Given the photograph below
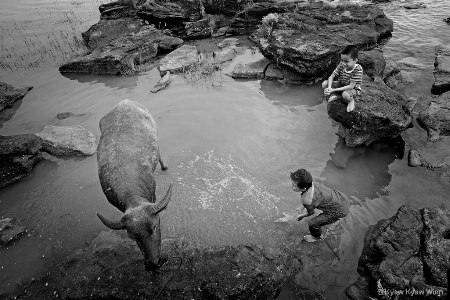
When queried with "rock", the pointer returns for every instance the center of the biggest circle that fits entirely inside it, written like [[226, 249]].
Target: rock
[[18, 155], [107, 30], [373, 63], [118, 9], [110, 268], [228, 42], [180, 59], [392, 258], [414, 6], [251, 70], [441, 70], [122, 55], [403, 72], [64, 115], [273, 72], [309, 41], [9, 231], [414, 158], [172, 14], [221, 31], [447, 20], [247, 19], [226, 7], [226, 54], [10, 94], [431, 155], [200, 29], [436, 118], [436, 243], [445, 177], [379, 113], [67, 140], [162, 83]]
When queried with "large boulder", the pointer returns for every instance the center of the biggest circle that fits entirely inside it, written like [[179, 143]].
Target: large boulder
[[200, 29], [406, 253], [67, 140], [119, 9], [122, 55], [436, 117], [10, 94], [18, 155], [441, 70], [10, 231], [309, 40], [380, 113], [111, 268]]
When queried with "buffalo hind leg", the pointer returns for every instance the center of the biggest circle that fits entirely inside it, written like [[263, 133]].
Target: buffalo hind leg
[[163, 166]]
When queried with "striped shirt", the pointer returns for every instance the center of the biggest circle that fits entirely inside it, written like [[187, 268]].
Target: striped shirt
[[344, 77]]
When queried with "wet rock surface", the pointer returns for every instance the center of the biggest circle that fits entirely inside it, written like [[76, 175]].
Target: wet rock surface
[[441, 70], [18, 155], [135, 46], [10, 231], [67, 140], [111, 267], [409, 251], [162, 83], [10, 94], [179, 60], [379, 113], [309, 41], [436, 117], [253, 70]]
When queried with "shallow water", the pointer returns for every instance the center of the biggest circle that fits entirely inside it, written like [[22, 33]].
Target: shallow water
[[229, 149]]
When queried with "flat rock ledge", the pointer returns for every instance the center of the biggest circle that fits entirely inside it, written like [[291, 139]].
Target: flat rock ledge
[[120, 48], [67, 140], [10, 231], [407, 254], [309, 40], [10, 94], [18, 155], [111, 267], [380, 113], [441, 70], [436, 117], [179, 60]]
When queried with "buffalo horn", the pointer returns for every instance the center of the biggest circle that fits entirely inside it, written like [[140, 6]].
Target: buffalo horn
[[156, 208], [111, 224]]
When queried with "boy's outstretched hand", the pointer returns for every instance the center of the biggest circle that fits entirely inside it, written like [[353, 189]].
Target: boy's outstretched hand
[[327, 91]]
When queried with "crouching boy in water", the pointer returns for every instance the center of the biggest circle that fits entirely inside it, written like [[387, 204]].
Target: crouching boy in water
[[346, 79], [333, 204]]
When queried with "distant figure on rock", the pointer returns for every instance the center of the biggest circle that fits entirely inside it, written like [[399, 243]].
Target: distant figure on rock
[[333, 204], [346, 79]]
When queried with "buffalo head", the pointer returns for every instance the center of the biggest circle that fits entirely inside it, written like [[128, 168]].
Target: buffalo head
[[143, 225]]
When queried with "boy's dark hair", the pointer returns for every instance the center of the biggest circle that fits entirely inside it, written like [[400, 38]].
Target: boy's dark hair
[[351, 51], [303, 178]]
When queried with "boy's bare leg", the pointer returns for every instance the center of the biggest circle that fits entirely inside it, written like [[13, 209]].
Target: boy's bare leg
[[351, 105]]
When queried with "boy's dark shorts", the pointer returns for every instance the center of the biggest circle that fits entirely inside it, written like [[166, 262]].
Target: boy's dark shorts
[[336, 85]]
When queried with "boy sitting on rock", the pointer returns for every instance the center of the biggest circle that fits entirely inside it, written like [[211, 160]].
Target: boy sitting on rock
[[333, 204], [346, 79]]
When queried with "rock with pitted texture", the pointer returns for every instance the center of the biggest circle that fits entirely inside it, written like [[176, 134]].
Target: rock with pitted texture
[[409, 251], [10, 231], [18, 155], [10, 94], [309, 40], [67, 140], [436, 117], [441, 70], [380, 113], [179, 60]]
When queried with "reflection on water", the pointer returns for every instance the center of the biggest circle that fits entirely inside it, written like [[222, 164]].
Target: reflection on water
[[8, 113], [121, 82], [288, 95], [362, 172]]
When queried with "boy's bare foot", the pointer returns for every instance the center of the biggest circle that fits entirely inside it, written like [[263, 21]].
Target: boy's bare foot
[[351, 106], [332, 98]]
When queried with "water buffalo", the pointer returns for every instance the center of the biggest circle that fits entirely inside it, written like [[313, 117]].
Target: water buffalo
[[128, 154]]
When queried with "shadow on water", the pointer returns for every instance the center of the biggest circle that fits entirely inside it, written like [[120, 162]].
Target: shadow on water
[[8, 113], [120, 82], [289, 95], [362, 171]]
